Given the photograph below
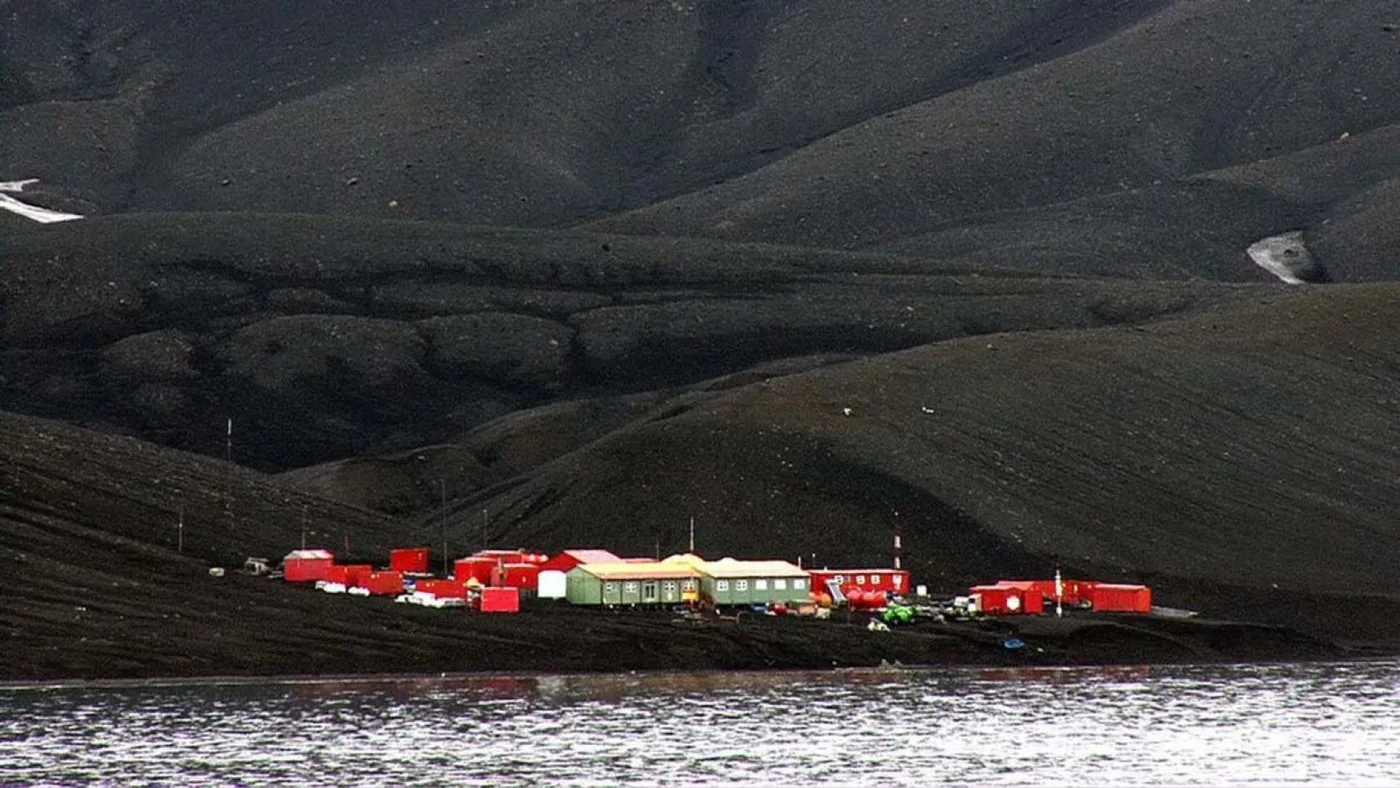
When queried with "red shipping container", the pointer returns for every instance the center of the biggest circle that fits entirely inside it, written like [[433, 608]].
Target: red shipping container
[[383, 583], [1120, 598], [476, 567], [500, 600], [1000, 600], [1072, 592], [525, 576], [306, 566], [354, 573], [443, 589], [413, 560]]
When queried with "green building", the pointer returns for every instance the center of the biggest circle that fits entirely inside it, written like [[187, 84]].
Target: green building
[[640, 583], [731, 582]]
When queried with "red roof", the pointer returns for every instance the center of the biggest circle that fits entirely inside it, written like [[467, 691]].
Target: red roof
[[565, 560]]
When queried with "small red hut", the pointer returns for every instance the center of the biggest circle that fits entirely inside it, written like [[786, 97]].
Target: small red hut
[[410, 560], [306, 566]]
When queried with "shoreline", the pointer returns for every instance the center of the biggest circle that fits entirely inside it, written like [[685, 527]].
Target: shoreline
[[487, 676], [383, 642]]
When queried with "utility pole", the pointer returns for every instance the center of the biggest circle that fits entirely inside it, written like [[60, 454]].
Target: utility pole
[[180, 531], [303, 526], [692, 536], [228, 471], [442, 520]]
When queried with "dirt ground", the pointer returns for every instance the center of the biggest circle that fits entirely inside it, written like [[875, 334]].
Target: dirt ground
[[244, 626]]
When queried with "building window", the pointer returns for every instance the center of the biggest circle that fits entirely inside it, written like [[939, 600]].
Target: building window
[[760, 585], [689, 585], [779, 584], [798, 584], [629, 588], [741, 585], [669, 587], [874, 580], [860, 580], [721, 585], [609, 588]]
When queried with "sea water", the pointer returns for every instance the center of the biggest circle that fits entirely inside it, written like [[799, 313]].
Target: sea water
[[1319, 724]]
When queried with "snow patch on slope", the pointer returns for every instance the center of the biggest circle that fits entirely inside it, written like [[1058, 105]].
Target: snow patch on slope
[[1286, 257], [26, 210]]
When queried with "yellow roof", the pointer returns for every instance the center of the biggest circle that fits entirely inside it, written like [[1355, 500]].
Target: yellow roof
[[638, 571], [728, 567]]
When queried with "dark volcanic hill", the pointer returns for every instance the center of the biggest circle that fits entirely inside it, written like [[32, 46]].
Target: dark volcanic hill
[[593, 268]]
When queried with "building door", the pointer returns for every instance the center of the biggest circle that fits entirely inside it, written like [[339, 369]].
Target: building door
[[649, 592]]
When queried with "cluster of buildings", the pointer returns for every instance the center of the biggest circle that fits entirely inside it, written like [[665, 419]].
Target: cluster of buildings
[[599, 578], [496, 580]]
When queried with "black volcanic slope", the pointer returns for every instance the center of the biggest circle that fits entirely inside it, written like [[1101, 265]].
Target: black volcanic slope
[[323, 337], [1246, 447], [806, 271], [822, 123]]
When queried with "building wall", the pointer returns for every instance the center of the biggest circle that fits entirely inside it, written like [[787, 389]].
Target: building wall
[[755, 590], [582, 588]]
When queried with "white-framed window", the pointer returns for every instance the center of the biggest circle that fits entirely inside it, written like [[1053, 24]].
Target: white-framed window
[[779, 584], [839, 579], [721, 585], [798, 583], [874, 580], [689, 584], [860, 580], [760, 585], [741, 585], [609, 588], [669, 587], [896, 581], [630, 587]]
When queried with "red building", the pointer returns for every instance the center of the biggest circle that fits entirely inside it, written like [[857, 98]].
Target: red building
[[306, 566], [523, 576], [1120, 598], [412, 560], [890, 581], [479, 568], [1008, 600]]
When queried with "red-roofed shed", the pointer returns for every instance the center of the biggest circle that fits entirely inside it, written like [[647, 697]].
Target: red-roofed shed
[[569, 559]]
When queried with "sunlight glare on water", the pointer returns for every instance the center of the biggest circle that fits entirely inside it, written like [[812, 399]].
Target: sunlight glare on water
[[1322, 724]]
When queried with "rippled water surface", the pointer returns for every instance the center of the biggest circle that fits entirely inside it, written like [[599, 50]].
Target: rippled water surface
[[1325, 724]]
